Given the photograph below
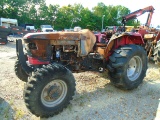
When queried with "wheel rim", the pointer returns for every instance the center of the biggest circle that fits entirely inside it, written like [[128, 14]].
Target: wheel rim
[[134, 68], [54, 93]]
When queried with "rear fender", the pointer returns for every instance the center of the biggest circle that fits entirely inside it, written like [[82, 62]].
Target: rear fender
[[122, 39]]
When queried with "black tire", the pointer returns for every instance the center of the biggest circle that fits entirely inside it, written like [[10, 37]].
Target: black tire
[[129, 65], [37, 98], [157, 53], [6, 41], [3, 41], [20, 73]]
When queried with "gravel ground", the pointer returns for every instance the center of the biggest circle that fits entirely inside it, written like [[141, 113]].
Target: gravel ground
[[95, 98]]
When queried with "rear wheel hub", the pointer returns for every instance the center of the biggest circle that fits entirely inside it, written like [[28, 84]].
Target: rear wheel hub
[[134, 68]]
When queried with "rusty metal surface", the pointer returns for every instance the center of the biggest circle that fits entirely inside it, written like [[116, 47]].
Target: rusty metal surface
[[88, 40], [157, 36], [54, 35], [61, 36], [101, 51], [122, 39], [149, 36], [41, 51], [151, 42], [111, 43], [84, 40]]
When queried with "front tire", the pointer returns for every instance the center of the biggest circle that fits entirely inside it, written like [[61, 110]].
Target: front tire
[[20, 73], [130, 65], [49, 90]]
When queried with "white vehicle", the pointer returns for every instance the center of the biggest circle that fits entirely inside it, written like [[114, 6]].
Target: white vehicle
[[28, 27], [47, 28], [76, 29], [5, 28], [6, 22], [158, 27]]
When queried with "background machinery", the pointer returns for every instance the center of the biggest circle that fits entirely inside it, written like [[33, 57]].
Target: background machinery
[[150, 35]]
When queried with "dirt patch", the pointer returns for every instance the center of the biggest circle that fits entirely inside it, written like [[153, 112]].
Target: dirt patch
[[95, 97]]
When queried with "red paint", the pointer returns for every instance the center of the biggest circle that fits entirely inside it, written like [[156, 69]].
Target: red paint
[[35, 61], [98, 37], [133, 38], [3, 43]]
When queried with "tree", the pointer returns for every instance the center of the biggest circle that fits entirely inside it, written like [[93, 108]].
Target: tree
[[113, 14], [87, 19], [2, 8], [69, 16]]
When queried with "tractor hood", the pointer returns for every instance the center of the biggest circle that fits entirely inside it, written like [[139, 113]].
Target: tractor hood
[[84, 39], [83, 34]]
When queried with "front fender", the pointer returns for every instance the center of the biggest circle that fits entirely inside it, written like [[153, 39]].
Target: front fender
[[21, 57]]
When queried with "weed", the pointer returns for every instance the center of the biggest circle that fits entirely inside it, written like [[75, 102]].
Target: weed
[[19, 114], [11, 101], [6, 112], [70, 107]]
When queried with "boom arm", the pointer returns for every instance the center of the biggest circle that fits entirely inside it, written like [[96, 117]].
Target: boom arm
[[139, 12]]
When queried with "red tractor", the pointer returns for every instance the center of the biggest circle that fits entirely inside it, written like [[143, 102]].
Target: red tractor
[[50, 59], [151, 36]]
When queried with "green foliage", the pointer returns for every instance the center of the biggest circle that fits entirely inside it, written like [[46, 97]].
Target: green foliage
[[69, 16]]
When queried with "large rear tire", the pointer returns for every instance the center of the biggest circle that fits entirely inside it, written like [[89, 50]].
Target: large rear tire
[[49, 90], [157, 53], [129, 65], [20, 73]]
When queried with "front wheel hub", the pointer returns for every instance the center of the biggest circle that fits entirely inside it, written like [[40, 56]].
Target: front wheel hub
[[54, 93]]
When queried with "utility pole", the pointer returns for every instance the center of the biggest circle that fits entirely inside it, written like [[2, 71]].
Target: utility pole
[[102, 21]]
